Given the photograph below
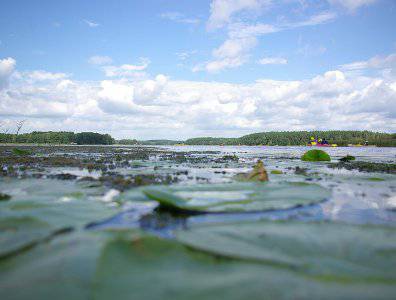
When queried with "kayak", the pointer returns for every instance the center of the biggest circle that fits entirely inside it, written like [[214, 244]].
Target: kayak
[[322, 145]]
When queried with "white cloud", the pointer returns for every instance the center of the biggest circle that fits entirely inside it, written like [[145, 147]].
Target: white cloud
[[185, 54], [317, 19], [232, 53], [127, 69], [272, 61], [91, 23], [179, 18], [163, 108], [100, 60], [376, 62], [7, 66], [222, 11], [351, 5], [243, 37]]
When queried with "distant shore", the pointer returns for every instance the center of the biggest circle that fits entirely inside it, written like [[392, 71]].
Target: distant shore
[[340, 138]]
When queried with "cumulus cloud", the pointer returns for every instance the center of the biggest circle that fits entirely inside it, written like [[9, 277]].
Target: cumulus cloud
[[273, 61], [161, 107], [232, 53], [100, 60], [7, 66]]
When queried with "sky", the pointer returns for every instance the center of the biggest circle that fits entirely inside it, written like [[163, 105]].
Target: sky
[[185, 68]]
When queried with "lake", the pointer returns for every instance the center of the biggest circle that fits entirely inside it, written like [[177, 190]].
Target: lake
[[177, 221]]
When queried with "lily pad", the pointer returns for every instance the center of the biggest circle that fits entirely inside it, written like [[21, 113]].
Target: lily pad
[[130, 265], [41, 208], [315, 155], [19, 233], [329, 251], [237, 197], [276, 172]]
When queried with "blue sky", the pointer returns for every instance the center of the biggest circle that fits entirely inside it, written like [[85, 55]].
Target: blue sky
[[151, 48]]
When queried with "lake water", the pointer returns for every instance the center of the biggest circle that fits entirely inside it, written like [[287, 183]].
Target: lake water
[[85, 221], [356, 197]]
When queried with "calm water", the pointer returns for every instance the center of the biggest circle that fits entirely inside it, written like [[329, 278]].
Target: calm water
[[355, 196]]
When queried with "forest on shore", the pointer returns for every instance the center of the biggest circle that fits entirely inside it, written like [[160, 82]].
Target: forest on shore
[[58, 137], [296, 138], [272, 138]]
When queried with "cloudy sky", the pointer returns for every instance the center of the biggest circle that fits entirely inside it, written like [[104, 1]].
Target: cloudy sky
[[178, 69]]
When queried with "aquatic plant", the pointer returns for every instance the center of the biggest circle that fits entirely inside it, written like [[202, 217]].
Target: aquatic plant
[[315, 155], [347, 158]]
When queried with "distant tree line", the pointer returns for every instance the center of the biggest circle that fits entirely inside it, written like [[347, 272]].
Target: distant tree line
[[294, 138], [60, 137], [159, 142], [127, 142], [280, 138]]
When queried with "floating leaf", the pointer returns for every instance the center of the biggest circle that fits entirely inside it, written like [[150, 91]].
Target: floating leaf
[[18, 233], [41, 208], [130, 265], [276, 172], [237, 197], [329, 251], [315, 155]]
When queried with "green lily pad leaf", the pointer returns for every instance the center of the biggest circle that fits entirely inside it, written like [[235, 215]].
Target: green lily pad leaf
[[329, 251], [376, 179], [40, 208], [237, 197], [19, 233], [315, 155], [97, 265], [276, 172]]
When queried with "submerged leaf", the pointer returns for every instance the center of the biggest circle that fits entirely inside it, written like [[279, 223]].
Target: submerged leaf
[[236, 197]]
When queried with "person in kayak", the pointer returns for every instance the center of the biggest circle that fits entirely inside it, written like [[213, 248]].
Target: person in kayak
[[313, 141]]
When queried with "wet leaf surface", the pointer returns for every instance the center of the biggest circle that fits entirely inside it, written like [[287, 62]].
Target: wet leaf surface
[[330, 251], [237, 197]]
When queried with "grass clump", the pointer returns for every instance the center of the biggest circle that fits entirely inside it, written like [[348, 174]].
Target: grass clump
[[315, 155]]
